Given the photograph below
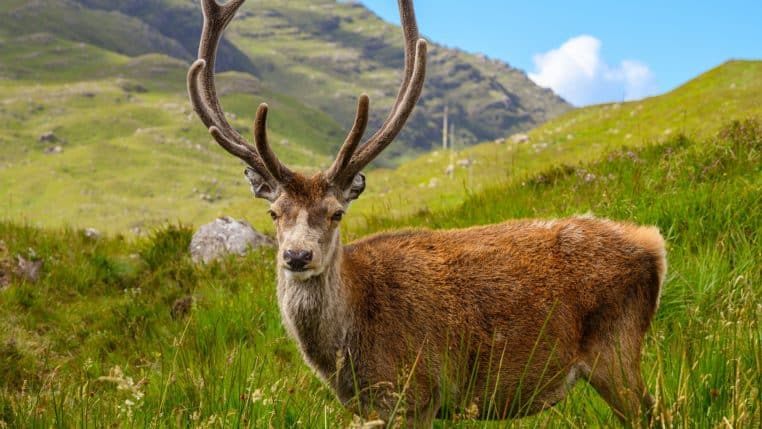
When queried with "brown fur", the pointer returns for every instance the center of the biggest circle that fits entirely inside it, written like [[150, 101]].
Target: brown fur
[[579, 292], [501, 317]]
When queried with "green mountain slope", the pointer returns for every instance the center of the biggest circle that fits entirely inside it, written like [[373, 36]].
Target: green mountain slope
[[68, 19], [327, 53], [323, 53], [124, 149], [85, 188], [83, 80]]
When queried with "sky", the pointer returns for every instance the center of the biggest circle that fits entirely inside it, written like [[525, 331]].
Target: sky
[[595, 51]]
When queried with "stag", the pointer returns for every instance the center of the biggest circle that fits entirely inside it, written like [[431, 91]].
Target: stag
[[500, 320]]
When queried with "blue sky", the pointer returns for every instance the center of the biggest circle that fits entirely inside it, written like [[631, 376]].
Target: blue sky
[[595, 51]]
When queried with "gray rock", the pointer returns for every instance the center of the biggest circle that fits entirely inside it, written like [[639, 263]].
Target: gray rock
[[225, 236], [48, 137], [519, 138], [54, 150], [28, 269], [92, 233]]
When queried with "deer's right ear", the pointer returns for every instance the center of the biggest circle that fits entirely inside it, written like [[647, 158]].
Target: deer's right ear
[[356, 188], [260, 186]]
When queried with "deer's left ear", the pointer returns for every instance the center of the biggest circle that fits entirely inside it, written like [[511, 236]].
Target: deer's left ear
[[356, 188], [260, 186]]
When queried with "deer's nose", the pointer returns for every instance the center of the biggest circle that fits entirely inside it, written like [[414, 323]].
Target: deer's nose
[[297, 259]]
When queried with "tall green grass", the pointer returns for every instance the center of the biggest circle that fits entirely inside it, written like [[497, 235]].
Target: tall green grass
[[128, 332]]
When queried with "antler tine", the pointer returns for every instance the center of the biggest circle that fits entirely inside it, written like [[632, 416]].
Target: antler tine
[[381, 139], [407, 97], [202, 110], [276, 169], [352, 141], [410, 30], [203, 93]]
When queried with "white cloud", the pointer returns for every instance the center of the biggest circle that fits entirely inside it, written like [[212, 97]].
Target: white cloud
[[577, 72]]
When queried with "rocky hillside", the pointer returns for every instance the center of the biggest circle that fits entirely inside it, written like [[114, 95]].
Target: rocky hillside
[[322, 53]]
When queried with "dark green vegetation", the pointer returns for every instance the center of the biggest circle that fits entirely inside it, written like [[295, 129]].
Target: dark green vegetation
[[103, 338]]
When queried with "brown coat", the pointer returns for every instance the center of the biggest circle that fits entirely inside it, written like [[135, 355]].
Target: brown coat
[[502, 317]]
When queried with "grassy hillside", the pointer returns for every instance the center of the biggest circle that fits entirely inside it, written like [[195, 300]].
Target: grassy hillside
[[697, 109], [128, 332], [86, 186], [123, 126], [114, 31], [102, 83]]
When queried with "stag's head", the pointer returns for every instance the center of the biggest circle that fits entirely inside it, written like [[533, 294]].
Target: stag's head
[[306, 210]]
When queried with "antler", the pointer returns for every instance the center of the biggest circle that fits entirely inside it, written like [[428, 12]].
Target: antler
[[203, 95], [407, 97], [260, 157]]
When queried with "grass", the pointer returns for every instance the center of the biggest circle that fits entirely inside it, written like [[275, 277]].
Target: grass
[[104, 339]]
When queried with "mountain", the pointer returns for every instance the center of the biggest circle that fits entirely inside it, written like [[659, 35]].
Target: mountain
[[322, 53]]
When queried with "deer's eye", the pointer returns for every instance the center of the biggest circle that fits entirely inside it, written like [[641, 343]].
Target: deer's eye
[[273, 214], [337, 216]]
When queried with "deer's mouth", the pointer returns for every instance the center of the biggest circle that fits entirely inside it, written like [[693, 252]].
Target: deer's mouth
[[301, 274]]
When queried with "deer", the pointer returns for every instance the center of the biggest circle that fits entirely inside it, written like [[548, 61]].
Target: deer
[[499, 321]]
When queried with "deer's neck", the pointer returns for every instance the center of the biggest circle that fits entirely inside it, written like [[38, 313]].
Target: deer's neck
[[316, 313]]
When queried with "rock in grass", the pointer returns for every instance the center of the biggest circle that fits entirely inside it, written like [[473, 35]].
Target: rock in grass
[[92, 233], [28, 269], [225, 236], [181, 307], [48, 137], [519, 138], [54, 150]]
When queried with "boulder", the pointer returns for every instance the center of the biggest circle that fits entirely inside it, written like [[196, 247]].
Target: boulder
[[225, 236], [92, 233], [48, 137], [28, 269], [519, 138], [54, 150]]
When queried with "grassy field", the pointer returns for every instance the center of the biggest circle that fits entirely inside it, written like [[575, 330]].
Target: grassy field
[[126, 332]]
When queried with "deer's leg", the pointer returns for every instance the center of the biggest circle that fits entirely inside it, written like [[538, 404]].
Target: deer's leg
[[423, 417], [614, 371]]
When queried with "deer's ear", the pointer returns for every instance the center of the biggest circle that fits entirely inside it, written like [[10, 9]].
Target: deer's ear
[[260, 186], [356, 188]]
